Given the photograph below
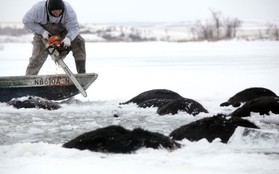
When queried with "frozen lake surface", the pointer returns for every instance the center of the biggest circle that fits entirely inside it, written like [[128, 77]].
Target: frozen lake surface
[[208, 72]]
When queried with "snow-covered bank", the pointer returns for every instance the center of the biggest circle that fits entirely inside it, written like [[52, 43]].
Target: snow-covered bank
[[184, 31], [210, 73]]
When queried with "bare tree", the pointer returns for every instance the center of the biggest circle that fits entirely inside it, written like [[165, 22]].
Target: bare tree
[[216, 16], [272, 31], [205, 31], [236, 23], [230, 26], [217, 28]]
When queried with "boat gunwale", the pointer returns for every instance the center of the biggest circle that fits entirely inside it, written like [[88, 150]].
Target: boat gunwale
[[85, 79]]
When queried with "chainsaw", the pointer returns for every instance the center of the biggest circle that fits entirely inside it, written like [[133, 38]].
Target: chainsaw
[[58, 52], [55, 43]]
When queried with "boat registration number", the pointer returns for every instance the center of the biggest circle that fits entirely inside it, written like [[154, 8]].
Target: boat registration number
[[52, 81]]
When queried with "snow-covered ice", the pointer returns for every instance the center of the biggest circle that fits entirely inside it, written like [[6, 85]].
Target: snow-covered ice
[[208, 72]]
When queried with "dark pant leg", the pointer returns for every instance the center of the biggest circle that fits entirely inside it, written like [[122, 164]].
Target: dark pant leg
[[79, 53], [38, 58]]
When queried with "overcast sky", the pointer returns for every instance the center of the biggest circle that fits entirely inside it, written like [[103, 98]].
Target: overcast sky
[[105, 11]]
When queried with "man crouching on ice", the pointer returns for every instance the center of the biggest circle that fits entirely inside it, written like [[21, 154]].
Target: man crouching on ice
[[53, 17]]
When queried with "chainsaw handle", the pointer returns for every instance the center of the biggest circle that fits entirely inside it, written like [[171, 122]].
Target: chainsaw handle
[[68, 49], [52, 48]]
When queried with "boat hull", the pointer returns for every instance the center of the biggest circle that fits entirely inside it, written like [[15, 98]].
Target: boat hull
[[51, 87]]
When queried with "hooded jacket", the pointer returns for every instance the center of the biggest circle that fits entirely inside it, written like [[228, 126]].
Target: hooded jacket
[[37, 16]]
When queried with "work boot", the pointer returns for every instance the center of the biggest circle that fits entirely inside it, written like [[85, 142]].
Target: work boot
[[80, 65]]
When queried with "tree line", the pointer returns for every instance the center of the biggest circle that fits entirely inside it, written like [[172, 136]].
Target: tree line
[[217, 27]]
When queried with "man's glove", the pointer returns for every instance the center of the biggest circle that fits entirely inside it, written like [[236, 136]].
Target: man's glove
[[66, 42], [46, 35]]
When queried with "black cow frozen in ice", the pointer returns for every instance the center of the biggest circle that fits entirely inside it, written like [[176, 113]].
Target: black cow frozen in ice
[[181, 104], [261, 105], [154, 98], [210, 128], [33, 102], [116, 139], [167, 101], [154, 103], [247, 95]]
